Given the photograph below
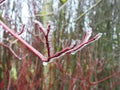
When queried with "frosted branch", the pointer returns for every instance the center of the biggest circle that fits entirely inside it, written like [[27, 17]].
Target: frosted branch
[[32, 49], [87, 35], [71, 49]]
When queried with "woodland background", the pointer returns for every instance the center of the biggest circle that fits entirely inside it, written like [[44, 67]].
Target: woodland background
[[68, 19]]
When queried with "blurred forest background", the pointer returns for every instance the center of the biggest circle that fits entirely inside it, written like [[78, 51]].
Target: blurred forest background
[[98, 62]]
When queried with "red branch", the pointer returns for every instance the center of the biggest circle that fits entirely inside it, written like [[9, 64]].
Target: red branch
[[49, 58], [43, 58], [79, 47], [47, 41], [1, 1]]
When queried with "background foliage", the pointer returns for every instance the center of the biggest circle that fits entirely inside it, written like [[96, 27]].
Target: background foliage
[[65, 18]]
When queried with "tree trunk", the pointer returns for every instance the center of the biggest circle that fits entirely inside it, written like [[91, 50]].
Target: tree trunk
[[48, 73]]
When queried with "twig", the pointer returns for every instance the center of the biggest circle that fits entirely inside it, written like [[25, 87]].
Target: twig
[[22, 29], [47, 41]]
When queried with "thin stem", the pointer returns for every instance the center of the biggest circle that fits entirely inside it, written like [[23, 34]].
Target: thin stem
[[47, 41], [62, 52], [22, 29], [79, 47]]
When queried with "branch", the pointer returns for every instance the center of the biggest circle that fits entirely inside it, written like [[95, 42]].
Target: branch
[[66, 50], [47, 41], [1, 1], [62, 52], [72, 49], [79, 47], [32, 49]]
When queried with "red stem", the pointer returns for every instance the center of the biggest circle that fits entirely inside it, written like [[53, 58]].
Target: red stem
[[47, 41], [64, 51], [21, 30]]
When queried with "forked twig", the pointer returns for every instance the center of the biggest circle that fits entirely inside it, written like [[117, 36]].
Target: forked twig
[[46, 33]]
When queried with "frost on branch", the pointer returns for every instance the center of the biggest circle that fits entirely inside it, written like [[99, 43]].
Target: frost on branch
[[48, 36], [87, 35]]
